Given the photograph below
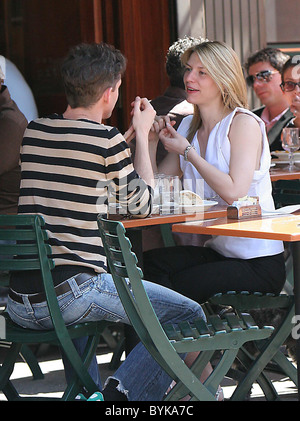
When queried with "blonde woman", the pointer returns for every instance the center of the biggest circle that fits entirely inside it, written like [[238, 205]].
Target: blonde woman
[[224, 145]]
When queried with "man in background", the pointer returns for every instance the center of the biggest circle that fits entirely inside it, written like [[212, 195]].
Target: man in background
[[264, 76]]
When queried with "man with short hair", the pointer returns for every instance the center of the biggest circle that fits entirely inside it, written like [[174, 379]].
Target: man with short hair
[[264, 76], [68, 162]]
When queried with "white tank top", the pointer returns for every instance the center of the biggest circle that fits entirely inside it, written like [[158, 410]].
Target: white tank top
[[218, 154]]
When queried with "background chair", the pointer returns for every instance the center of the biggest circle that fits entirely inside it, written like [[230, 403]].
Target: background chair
[[165, 343], [30, 251], [263, 355], [286, 192]]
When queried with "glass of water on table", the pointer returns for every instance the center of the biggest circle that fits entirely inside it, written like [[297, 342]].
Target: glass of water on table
[[290, 143], [166, 194]]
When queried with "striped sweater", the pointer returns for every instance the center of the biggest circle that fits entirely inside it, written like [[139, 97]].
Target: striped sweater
[[67, 166]]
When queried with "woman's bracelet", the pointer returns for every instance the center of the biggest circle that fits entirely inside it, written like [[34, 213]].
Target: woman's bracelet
[[185, 153]]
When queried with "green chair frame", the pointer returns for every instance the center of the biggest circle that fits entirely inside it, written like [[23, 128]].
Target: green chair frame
[[270, 355], [165, 343], [25, 353], [31, 252]]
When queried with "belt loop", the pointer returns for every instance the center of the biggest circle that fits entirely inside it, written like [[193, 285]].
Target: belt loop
[[27, 304], [74, 287]]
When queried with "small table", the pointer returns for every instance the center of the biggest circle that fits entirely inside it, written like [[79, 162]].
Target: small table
[[280, 227], [281, 173], [215, 211], [134, 227]]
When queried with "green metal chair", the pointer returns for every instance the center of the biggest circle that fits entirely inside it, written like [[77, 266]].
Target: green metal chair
[[25, 353], [165, 343], [268, 354], [31, 252]]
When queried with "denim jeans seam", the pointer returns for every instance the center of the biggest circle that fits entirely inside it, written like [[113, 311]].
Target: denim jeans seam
[[190, 312], [31, 319]]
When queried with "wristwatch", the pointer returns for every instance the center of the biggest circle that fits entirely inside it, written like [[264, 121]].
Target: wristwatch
[[185, 153]]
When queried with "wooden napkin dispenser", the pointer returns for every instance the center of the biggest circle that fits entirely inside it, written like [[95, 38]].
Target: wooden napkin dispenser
[[248, 207]]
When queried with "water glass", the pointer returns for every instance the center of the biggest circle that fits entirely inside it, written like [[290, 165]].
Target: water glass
[[290, 143]]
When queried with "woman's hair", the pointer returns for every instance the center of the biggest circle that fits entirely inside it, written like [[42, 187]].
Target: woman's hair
[[222, 64], [88, 70]]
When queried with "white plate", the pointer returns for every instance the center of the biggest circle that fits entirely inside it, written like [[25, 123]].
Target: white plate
[[284, 162], [284, 156], [207, 204]]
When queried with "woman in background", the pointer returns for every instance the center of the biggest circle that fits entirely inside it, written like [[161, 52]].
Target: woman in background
[[290, 85]]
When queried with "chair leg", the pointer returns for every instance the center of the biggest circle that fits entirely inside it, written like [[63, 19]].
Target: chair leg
[[264, 382], [267, 353], [213, 381], [10, 392], [6, 370], [117, 354], [29, 357], [77, 384], [287, 367]]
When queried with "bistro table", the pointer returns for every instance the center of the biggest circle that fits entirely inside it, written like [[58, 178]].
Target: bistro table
[[279, 227], [282, 173], [134, 227], [215, 211]]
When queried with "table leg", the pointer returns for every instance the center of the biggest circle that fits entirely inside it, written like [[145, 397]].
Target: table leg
[[296, 267], [136, 238]]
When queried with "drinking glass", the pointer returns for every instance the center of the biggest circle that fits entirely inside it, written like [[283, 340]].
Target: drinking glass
[[166, 193], [290, 143]]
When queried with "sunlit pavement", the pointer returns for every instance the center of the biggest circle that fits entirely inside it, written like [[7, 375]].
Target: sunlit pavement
[[54, 382]]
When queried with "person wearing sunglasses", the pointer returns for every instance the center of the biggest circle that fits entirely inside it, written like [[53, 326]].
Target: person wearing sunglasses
[[264, 76], [290, 86]]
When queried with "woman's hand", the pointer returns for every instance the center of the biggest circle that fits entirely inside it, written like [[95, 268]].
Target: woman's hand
[[172, 141], [158, 125]]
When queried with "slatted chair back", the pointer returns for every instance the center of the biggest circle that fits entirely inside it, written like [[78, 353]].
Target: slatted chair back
[[24, 247]]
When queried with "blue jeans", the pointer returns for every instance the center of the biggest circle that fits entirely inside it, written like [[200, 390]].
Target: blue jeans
[[139, 376]]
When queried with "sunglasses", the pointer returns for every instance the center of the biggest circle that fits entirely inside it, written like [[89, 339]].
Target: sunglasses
[[263, 76], [289, 86]]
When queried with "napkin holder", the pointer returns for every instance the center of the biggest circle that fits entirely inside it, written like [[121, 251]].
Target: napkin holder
[[243, 209]]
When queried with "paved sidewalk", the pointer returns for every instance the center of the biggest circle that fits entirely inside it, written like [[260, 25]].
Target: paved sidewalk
[[54, 382]]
